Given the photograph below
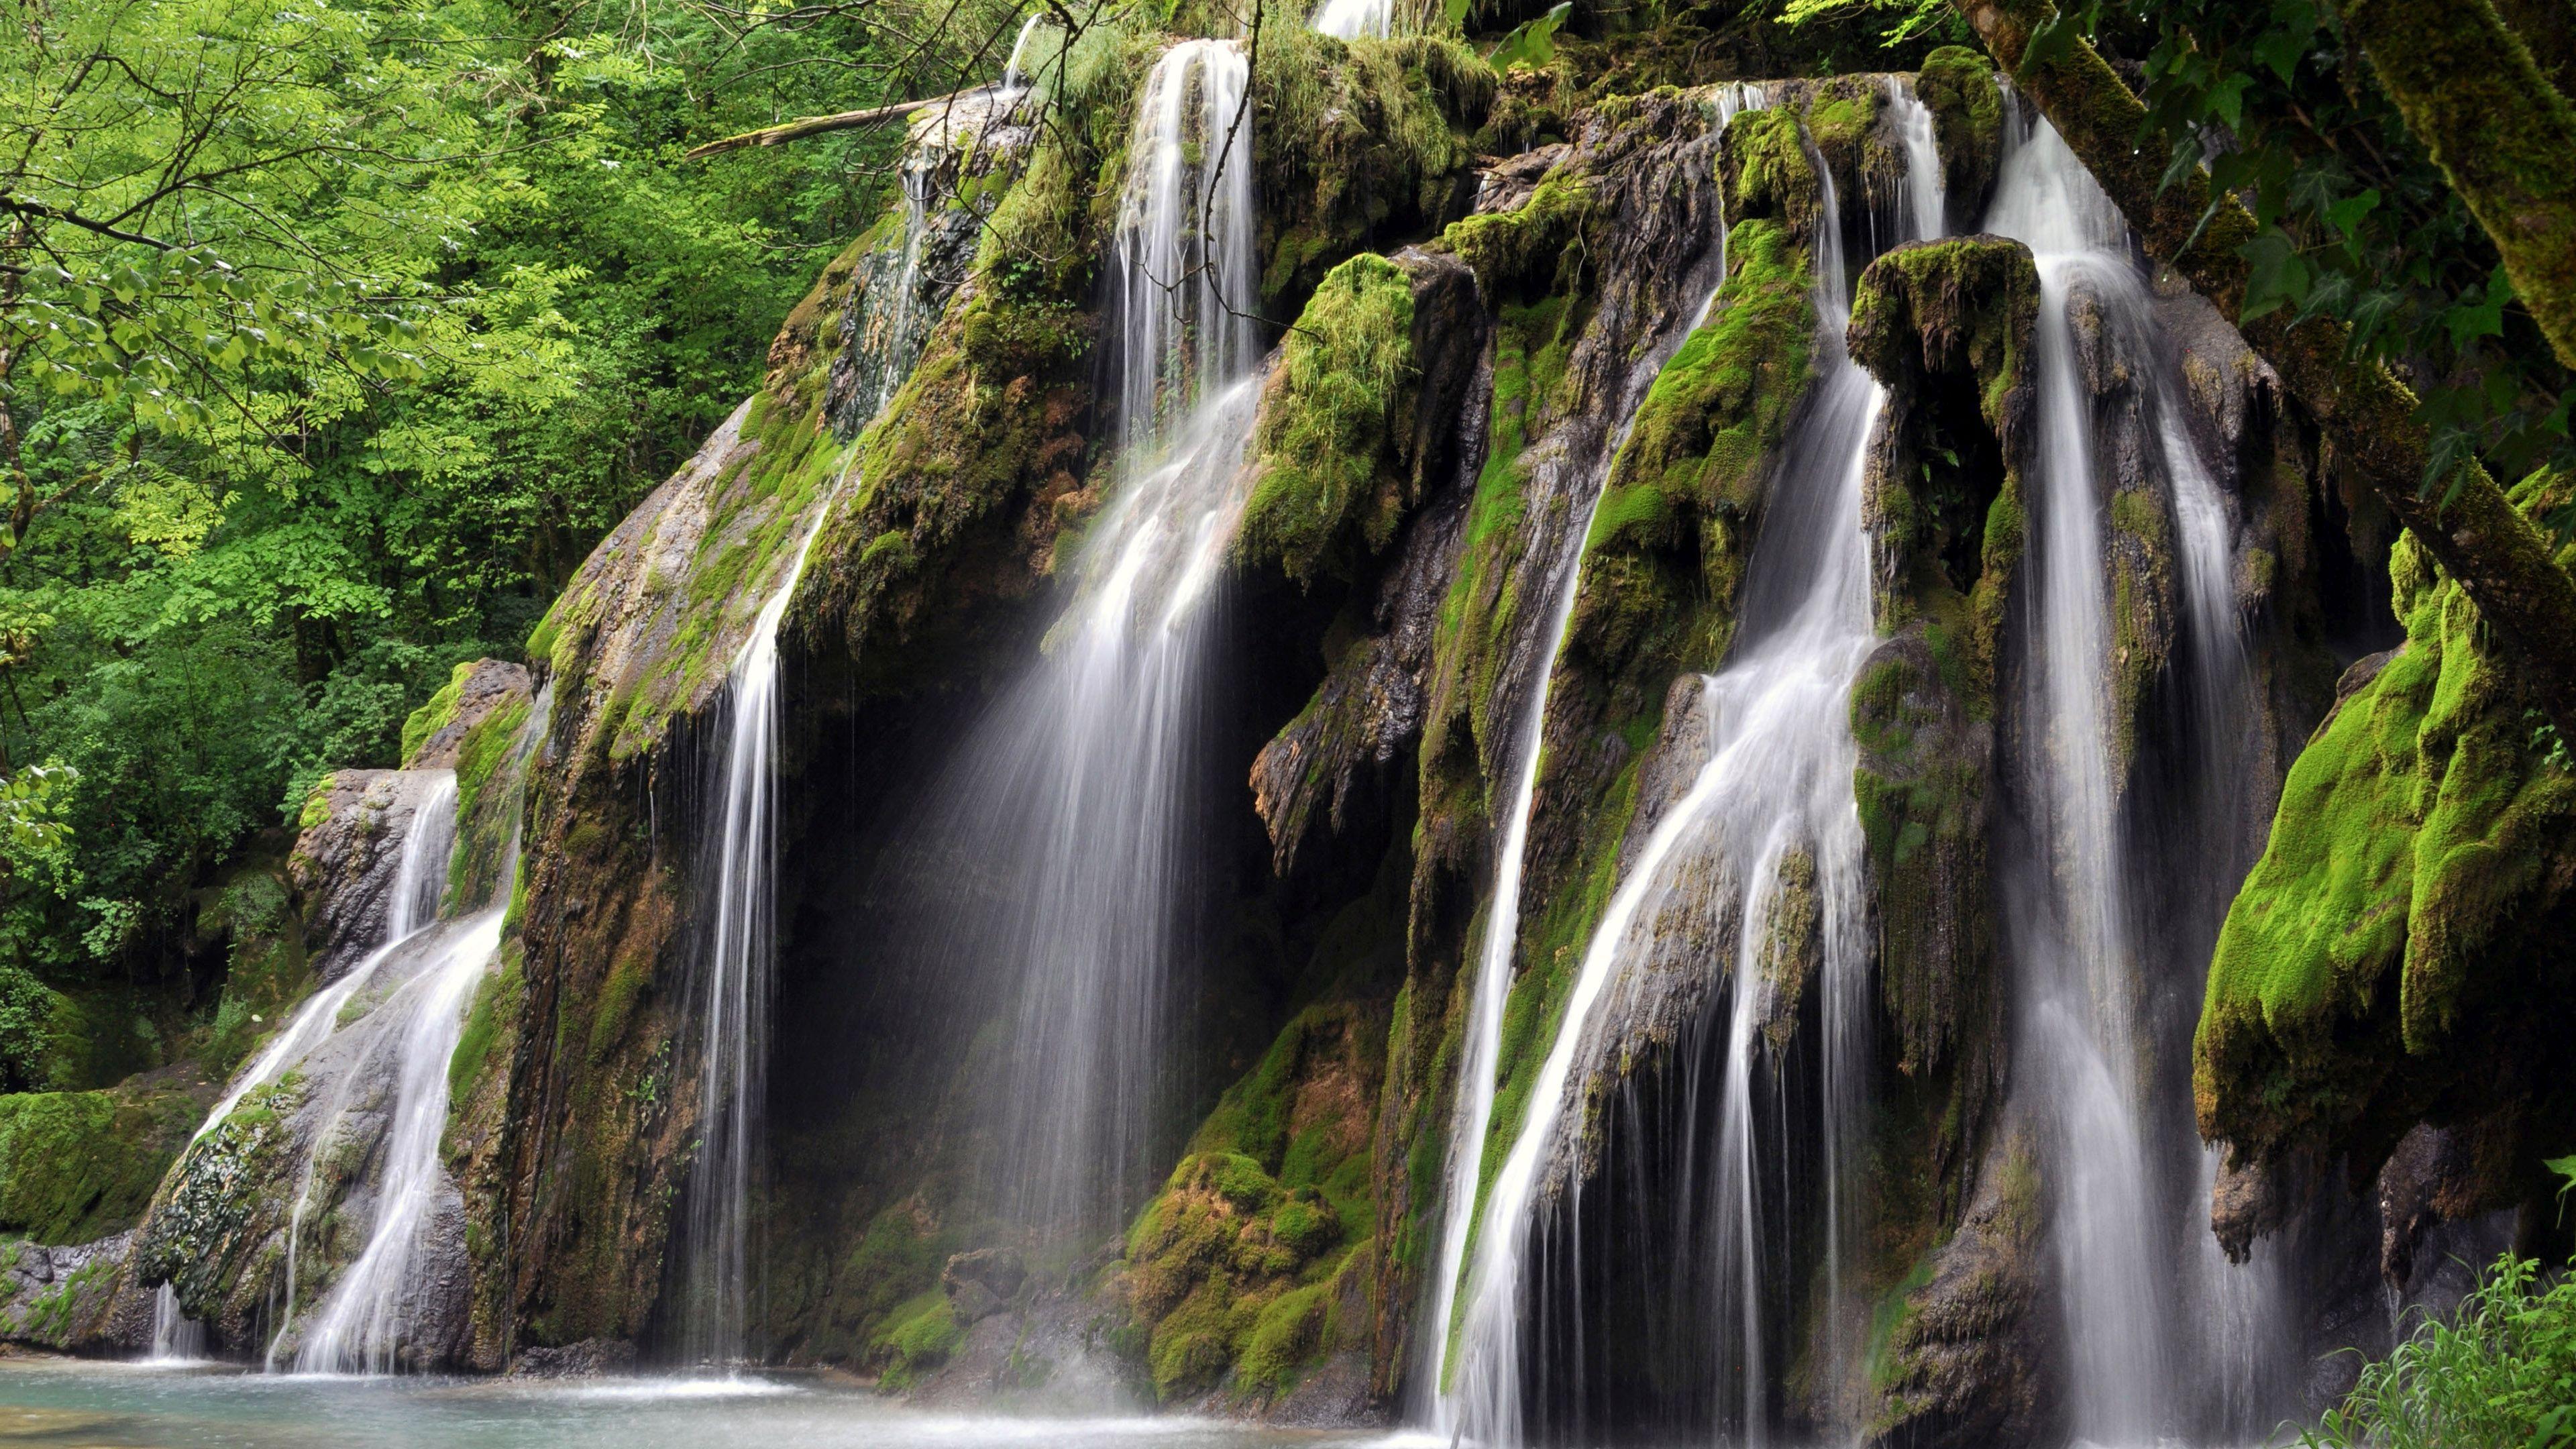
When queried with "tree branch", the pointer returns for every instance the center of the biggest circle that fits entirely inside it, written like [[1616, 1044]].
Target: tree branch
[[2503, 135], [817, 125]]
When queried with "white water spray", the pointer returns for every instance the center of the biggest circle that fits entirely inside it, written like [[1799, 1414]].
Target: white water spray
[[372, 1312], [1352, 19], [2135, 1373], [1082, 789]]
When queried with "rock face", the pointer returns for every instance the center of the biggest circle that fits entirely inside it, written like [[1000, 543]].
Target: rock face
[[346, 859]]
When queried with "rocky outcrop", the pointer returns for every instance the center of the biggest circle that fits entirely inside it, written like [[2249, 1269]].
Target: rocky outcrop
[[1962, 1352], [2381, 966], [1359, 436], [346, 858]]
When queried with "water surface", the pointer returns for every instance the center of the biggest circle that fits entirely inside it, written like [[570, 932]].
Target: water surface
[[63, 1403]]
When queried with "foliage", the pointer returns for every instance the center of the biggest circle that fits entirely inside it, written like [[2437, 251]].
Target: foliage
[[2498, 1374], [2356, 222], [329, 341]]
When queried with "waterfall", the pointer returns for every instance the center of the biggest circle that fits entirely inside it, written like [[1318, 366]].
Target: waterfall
[[1477, 1083], [1059, 858], [176, 1338], [1772, 809], [2145, 1343], [372, 1312], [411, 904], [369, 1315], [736, 968], [1351, 19], [1016, 81], [1106, 739]]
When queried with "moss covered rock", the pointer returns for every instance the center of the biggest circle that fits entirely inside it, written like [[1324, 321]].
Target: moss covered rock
[[1958, 86], [78, 1166], [2396, 954]]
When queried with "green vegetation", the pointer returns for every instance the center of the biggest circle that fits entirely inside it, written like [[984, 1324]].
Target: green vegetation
[[1339, 403], [2421, 835], [330, 340], [75, 1166], [2500, 1373]]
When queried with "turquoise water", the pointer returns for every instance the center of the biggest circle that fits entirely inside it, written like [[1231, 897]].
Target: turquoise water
[[59, 1404]]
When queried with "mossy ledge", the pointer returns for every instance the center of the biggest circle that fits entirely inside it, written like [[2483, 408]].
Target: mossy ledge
[[2378, 967]]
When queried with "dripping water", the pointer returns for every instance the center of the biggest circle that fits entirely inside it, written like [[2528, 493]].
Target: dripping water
[[1772, 809]]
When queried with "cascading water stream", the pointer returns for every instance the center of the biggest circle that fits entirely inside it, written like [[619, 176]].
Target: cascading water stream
[[2088, 1040], [372, 1312], [411, 905], [367, 1319], [1016, 81], [176, 1338], [1773, 805], [735, 975], [1352, 19], [1477, 1083]]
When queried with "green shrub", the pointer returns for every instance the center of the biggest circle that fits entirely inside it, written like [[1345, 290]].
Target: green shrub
[[2498, 1374]]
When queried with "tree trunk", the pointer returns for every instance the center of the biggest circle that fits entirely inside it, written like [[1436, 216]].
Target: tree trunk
[[2503, 135], [2499, 557]]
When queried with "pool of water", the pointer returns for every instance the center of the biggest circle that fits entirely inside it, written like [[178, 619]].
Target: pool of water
[[65, 1403]]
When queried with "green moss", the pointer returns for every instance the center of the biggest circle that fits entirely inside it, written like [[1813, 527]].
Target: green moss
[[2423, 831], [1531, 245], [1285, 1337], [437, 713], [1261, 1209], [1358, 140], [77, 1166], [487, 803], [628, 977], [498, 999], [1765, 171], [1689, 479], [1957, 85], [1334, 419], [266, 967], [918, 1336]]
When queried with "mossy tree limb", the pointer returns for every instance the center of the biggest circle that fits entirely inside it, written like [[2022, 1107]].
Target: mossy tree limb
[[2373, 420], [2473, 95]]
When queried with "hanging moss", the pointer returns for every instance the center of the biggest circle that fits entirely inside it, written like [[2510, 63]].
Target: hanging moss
[[1359, 143], [2387, 954], [1329, 491]]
